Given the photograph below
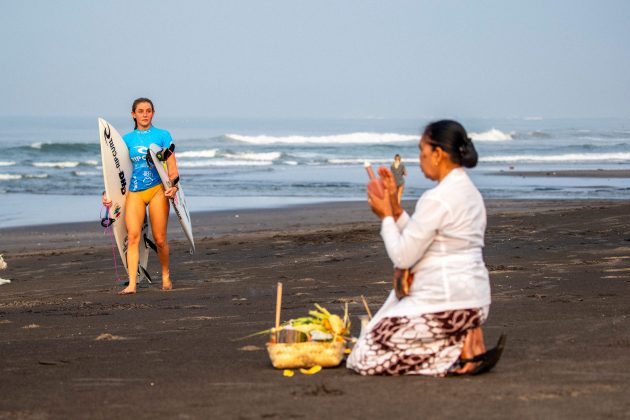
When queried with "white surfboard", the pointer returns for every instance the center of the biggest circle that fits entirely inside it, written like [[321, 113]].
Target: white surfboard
[[117, 168], [179, 202]]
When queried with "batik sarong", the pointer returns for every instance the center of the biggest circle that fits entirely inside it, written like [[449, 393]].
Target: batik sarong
[[427, 344]]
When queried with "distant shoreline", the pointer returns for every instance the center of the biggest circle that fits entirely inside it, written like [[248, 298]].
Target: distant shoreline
[[578, 173]]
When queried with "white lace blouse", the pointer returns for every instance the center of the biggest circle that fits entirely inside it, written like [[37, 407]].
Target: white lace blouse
[[443, 242]]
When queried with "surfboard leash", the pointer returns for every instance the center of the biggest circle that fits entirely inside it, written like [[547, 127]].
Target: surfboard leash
[[106, 222]]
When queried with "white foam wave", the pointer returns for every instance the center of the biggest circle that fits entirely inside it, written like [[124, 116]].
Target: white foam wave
[[198, 154], [358, 161], [37, 145], [221, 162], [91, 163], [353, 138], [269, 156], [570, 157], [491, 135], [6, 163], [9, 177], [60, 165], [36, 176], [86, 173]]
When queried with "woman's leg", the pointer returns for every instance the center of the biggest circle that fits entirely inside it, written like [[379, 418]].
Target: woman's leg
[[400, 193], [158, 214], [474, 345], [135, 210]]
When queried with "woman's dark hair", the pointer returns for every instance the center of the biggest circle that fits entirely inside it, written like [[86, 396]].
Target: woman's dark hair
[[135, 105], [451, 137]]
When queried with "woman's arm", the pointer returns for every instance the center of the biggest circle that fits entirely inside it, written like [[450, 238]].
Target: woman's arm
[[171, 166], [406, 248], [173, 175]]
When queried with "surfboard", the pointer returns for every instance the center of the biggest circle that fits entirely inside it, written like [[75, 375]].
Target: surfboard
[[179, 201], [117, 168]]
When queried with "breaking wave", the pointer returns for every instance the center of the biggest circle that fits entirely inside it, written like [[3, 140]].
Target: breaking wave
[[352, 138], [491, 135]]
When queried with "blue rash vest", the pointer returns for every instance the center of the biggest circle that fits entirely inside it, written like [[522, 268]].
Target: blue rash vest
[[138, 142]]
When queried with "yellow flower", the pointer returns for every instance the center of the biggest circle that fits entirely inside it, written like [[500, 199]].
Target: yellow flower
[[311, 371], [336, 324]]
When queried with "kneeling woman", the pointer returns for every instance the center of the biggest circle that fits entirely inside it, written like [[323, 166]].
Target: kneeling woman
[[145, 189], [436, 329]]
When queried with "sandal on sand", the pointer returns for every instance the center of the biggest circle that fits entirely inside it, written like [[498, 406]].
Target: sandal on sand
[[486, 360]]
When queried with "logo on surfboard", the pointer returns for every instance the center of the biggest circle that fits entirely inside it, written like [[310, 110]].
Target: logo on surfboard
[[116, 211], [112, 147]]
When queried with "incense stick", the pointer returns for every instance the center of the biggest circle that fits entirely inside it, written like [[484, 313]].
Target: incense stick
[[367, 308], [278, 305]]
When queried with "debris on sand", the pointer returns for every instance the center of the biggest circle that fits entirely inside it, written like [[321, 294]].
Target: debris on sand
[[3, 265], [250, 348], [109, 337]]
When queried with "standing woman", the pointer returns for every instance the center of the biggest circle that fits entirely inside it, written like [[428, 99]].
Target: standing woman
[[436, 329], [400, 172], [146, 189]]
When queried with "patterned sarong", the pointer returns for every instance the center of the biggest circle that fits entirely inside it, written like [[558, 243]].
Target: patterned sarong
[[427, 344]]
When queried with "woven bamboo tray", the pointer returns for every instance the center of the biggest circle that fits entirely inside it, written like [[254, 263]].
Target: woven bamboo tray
[[306, 355]]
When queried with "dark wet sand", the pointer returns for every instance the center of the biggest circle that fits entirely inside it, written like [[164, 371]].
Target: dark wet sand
[[560, 274]]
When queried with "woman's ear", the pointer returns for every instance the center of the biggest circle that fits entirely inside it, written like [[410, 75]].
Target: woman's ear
[[438, 155]]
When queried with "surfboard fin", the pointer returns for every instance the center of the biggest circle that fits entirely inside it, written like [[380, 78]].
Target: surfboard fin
[[149, 243], [143, 272]]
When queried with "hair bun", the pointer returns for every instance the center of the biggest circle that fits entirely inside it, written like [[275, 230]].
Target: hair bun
[[468, 153]]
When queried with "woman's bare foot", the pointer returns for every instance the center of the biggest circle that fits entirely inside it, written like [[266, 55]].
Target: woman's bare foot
[[129, 290], [473, 346], [167, 284]]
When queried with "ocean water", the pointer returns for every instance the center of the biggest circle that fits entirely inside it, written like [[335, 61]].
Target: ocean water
[[244, 163]]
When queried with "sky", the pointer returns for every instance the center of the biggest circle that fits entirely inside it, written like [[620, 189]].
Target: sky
[[316, 59]]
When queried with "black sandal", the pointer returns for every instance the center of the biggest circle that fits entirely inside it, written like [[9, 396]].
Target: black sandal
[[488, 359]]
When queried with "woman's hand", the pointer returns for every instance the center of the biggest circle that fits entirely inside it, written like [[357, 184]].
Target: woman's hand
[[387, 178], [389, 182], [171, 192], [106, 201], [379, 197]]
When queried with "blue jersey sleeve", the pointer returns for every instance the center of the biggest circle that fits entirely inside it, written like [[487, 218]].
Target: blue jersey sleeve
[[166, 139]]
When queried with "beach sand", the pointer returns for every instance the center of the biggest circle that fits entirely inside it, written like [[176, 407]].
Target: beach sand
[[71, 348]]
